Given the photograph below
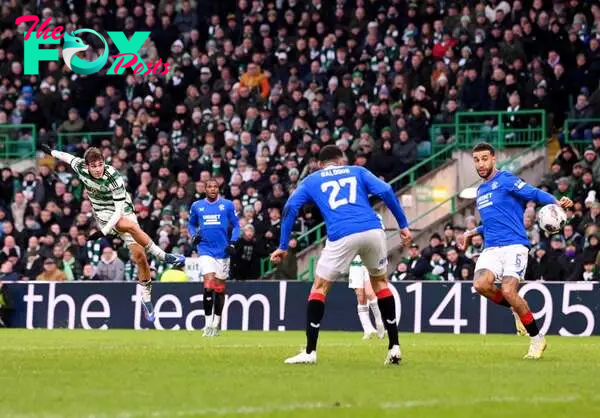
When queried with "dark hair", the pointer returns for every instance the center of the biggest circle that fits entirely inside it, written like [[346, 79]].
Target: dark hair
[[212, 180], [484, 146], [330, 152], [93, 154]]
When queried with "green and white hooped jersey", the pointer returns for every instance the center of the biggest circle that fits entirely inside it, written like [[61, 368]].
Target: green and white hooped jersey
[[103, 192]]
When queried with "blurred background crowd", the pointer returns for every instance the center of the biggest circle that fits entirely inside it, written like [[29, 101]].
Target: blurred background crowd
[[257, 87]]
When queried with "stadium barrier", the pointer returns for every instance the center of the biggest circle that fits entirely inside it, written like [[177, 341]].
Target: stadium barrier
[[567, 309]]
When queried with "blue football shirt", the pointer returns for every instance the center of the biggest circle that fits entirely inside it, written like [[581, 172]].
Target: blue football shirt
[[342, 195], [214, 219]]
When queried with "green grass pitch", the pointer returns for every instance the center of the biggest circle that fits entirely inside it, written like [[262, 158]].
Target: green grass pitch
[[129, 374]]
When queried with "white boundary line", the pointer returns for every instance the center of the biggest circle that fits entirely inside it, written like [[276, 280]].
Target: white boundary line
[[266, 409]]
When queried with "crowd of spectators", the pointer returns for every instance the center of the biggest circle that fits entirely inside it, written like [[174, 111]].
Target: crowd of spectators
[[255, 89]]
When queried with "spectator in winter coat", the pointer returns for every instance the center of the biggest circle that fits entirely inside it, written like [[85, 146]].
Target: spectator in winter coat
[[110, 267], [70, 266], [249, 251], [572, 263], [591, 161], [454, 264], [405, 150], [537, 267], [255, 80], [51, 272], [572, 237], [384, 164], [401, 273]]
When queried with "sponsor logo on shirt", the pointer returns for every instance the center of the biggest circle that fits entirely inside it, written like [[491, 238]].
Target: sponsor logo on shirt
[[211, 219]]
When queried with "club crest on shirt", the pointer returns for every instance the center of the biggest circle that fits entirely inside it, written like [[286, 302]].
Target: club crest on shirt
[[221, 207], [495, 185]]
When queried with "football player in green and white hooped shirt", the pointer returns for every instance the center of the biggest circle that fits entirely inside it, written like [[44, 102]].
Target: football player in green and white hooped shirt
[[113, 211]]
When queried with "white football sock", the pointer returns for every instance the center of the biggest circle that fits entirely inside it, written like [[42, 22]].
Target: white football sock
[[216, 321], [156, 251], [365, 321], [374, 306]]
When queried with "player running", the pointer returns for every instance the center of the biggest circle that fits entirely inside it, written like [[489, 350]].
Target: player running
[[113, 212], [342, 195], [358, 279], [501, 201], [210, 220]]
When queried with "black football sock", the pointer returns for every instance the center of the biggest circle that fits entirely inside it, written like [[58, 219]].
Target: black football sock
[[208, 302], [314, 313], [385, 300], [529, 324], [219, 302]]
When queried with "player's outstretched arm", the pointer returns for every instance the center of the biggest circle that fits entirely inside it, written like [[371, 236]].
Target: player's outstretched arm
[[63, 156], [528, 192], [386, 193]]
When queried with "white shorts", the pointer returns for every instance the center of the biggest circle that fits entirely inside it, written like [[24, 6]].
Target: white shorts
[[217, 266], [357, 277], [337, 255], [509, 261], [102, 219]]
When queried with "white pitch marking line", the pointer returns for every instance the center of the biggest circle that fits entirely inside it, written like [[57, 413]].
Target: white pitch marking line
[[249, 410]]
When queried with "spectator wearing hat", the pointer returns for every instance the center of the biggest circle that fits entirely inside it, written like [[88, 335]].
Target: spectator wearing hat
[[584, 186], [51, 272], [592, 217], [591, 161], [449, 236], [563, 189], [435, 243], [567, 159]]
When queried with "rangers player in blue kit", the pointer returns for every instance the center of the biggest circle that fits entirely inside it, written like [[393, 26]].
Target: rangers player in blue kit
[[341, 193], [501, 201], [210, 222]]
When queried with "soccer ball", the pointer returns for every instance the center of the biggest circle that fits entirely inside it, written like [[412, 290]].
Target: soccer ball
[[552, 218]]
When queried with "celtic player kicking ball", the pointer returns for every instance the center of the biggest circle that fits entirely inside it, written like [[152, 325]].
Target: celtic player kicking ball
[[113, 211]]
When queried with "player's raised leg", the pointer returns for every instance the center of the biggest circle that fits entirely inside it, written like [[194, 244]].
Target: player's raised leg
[[138, 256], [126, 225], [315, 309], [489, 266], [510, 291]]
